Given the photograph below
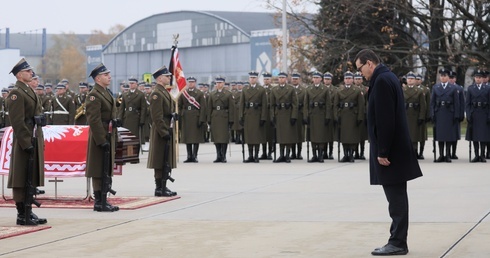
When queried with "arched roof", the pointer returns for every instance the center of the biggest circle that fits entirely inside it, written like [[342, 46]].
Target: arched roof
[[195, 29]]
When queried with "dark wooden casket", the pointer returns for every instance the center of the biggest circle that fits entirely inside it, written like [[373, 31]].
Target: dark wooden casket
[[127, 149]]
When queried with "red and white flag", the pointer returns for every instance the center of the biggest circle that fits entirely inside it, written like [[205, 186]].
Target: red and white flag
[[175, 68]]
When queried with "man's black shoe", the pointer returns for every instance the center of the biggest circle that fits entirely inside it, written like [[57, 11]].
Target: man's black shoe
[[454, 156], [389, 249], [440, 159], [420, 156]]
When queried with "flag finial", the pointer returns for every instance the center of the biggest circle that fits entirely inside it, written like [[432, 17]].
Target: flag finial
[[176, 39]]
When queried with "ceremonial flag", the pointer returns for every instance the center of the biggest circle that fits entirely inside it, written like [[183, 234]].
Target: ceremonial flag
[[175, 67]]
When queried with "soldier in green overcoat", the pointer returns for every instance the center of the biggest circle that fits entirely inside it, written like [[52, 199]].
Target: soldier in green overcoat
[[101, 115], [423, 127], [161, 134], [253, 116], [237, 128], [284, 114], [416, 107], [331, 128], [133, 109], [349, 114], [25, 104], [359, 151], [192, 110], [317, 116], [220, 118], [300, 127], [268, 147]]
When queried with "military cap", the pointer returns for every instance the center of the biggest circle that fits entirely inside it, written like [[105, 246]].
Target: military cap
[[125, 86], [411, 75], [132, 79], [147, 85], [60, 86], [486, 73], [5, 90], [233, 83], [220, 78], [11, 86], [64, 81], [239, 83], [35, 76], [316, 74], [443, 71], [348, 74], [246, 84], [452, 74], [295, 75], [327, 75], [100, 69], [48, 85], [267, 75], [141, 83], [418, 76], [227, 84], [21, 66], [83, 85], [253, 74], [478, 73], [282, 74], [161, 71], [40, 87], [357, 75], [191, 79]]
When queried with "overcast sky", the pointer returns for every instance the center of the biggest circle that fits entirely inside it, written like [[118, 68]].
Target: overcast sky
[[84, 16]]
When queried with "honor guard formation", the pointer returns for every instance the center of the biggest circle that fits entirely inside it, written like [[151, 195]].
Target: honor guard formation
[[271, 122]]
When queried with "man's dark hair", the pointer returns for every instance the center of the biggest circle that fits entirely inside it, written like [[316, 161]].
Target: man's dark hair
[[365, 55]]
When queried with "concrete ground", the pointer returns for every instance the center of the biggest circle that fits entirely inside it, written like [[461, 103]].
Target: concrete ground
[[268, 210]]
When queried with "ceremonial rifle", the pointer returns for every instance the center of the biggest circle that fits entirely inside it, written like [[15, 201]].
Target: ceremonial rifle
[[30, 190], [107, 166]]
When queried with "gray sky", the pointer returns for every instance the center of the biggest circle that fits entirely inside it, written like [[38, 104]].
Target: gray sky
[[83, 16]]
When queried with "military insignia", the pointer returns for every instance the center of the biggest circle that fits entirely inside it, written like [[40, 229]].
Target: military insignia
[[13, 97], [155, 97], [92, 98]]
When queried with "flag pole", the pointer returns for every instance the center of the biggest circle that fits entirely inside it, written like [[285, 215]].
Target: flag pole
[[176, 100]]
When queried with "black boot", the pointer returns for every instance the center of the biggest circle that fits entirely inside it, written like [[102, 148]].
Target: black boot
[[448, 152], [476, 145], [454, 146], [482, 156], [189, 153], [300, 148], [218, 153], [194, 152], [330, 150], [256, 153], [441, 153], [250, 154], [361, 155], [281, 157], [488, 150], [315, 157], [101, 203], [292, 151], [421, 153], [21, 215], [224, 147], [350, 153], [264, 151], [158, 187], [356, 152], [288, 152], [165, 191], [320, 155], [271, 150], [345, 158]]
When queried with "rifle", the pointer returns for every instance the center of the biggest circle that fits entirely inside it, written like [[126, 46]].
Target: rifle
[[243, 144], [434, 139], [274, 140], [470, 137], [338, 142], [30, 190], [308, 142], [167, 169], [106, 177], [141, 138]]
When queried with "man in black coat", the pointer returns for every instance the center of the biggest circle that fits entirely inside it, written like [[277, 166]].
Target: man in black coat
[[392, 160]]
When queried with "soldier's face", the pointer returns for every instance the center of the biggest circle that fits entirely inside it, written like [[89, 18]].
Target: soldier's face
[[282, 80], [327, 81], [410, 81], [295, 81], [485, 79], [34, 82], [104, 79], [4, 95], [358, 81], [418, 81], [317, 80], [60, 91], [192, 85], [478, 79], [267, 81], [220, 85], [133, 85], [452, 80], [24, 76], [348, 81], [49, 90], [39, 92], [444, 78], [252, 80]]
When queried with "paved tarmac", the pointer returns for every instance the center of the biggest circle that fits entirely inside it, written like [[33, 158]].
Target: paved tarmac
[[268, 210]]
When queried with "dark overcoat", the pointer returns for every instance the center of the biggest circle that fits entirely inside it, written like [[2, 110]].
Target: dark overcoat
[[192, 116], [478, 113], [133, 111], [253, 109], [25, 104], [161, 109], [221, 109], [318, 109], [101, 110], [388, 131], [444, 106], [284, 107]]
